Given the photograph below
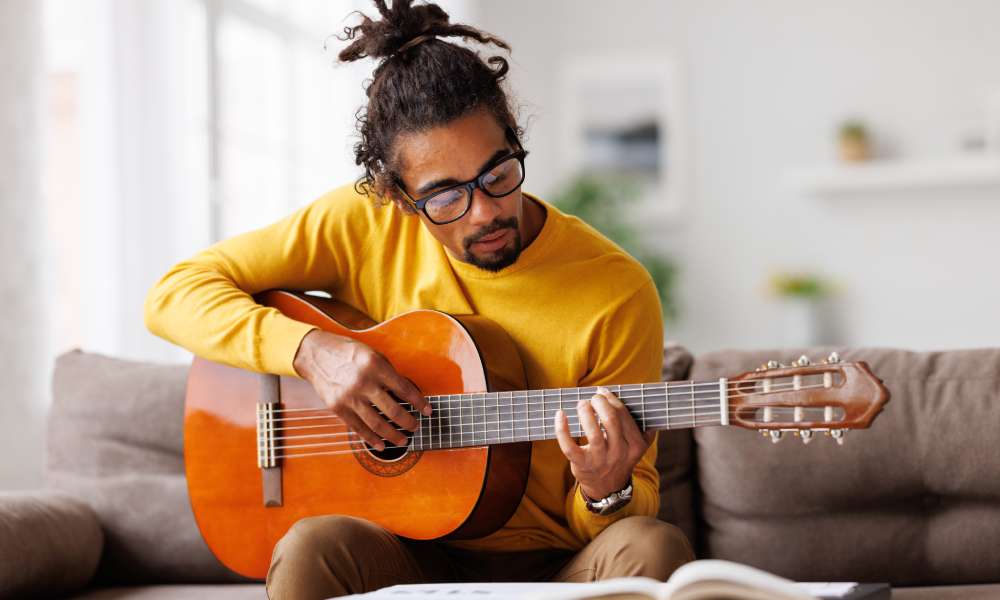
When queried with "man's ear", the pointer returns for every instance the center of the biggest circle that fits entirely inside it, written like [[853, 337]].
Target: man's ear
[[405, 207]]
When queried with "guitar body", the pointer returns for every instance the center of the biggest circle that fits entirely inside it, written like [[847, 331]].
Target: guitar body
[[459, 493]]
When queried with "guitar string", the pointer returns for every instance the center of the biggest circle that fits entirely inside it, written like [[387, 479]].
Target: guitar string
[[698, 418], [457, 404], [487, 426], [673, 387], [441, 449], [475, 443], [696, 409]]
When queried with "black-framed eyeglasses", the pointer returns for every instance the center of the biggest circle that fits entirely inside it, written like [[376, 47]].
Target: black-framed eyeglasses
[[497, 180]]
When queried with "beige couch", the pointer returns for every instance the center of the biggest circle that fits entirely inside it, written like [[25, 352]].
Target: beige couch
[[914, 501]]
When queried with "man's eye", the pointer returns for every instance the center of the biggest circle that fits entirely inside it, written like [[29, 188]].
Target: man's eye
[[498, 174], [445, 198]]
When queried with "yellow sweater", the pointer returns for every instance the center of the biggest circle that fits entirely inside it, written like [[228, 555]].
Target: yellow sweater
[[580, 311]]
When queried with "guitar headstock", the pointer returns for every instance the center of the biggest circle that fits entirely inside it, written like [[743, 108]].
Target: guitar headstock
[[804, 399]]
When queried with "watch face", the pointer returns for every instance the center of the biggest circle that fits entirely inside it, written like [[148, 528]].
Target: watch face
[[614, 502]]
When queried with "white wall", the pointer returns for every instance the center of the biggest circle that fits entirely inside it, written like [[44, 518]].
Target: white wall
[[767, 82], [23, 292]]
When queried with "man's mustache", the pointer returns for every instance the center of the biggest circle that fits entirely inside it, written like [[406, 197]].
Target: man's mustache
[[492, 228]]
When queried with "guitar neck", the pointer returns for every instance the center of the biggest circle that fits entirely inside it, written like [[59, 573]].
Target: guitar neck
[[489, 418]]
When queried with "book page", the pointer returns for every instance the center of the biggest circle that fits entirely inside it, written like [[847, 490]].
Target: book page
[[723, 570]]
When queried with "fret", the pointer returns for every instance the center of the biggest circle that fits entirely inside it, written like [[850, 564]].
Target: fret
[[451, 434], [515, 419], [642, 407], [485, 418], [560, 408], [461, 424], [439, 410], [499, 436], [579, 425], [415, 439], [666, 403], [529, 419], [543, 421], [694, 413]]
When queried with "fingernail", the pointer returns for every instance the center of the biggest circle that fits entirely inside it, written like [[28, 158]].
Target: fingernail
[[559, 415], [603, 390], [426, 410]]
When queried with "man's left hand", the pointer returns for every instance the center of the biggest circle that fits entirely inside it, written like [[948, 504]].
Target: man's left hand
[[604, 464]]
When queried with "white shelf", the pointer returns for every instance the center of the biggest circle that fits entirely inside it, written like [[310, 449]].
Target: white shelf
[[895, 175]]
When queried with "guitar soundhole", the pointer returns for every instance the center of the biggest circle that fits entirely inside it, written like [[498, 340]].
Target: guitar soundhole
[[394, 460], [392, 451]]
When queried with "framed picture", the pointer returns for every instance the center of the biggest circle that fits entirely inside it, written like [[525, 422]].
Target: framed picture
[[623, 118]]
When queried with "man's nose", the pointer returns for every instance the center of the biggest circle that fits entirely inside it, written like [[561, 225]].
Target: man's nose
[[484, 209]]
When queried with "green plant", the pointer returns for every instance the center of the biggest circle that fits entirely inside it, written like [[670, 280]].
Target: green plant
[[787, 285], [603, 202], [853, 129]]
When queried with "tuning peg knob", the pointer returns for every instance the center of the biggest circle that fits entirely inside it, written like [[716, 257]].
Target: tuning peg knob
[[838, 434], [773, 364], [806, 435], [775, 436], [833, 358], [803, 361]]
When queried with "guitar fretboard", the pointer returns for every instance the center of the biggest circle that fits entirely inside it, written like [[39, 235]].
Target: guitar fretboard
[[464, 420]]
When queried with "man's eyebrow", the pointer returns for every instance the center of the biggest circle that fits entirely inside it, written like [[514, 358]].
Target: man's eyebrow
[[452, 181]]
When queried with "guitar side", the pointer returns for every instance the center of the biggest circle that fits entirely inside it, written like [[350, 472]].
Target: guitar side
[[459, 493]]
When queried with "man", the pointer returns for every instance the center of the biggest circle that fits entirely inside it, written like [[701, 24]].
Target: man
[[439, 144]]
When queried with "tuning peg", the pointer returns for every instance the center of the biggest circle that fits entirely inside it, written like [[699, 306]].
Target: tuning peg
[[806, 435], [775, 436], [803, 361], [773, 364], [833, 358], [838, 434]]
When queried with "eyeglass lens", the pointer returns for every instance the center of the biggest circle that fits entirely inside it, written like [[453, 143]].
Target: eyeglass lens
[[499, 181]]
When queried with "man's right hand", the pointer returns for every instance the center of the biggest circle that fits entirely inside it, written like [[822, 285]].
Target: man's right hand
[[353, 379]]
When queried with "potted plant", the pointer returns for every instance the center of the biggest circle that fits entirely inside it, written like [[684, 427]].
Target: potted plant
[[800, 296], [854, 142]]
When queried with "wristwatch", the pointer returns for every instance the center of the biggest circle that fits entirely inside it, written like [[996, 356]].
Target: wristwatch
[[614, 502]]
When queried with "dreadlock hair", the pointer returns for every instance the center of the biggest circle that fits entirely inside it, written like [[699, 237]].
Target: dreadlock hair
[[420, 82]]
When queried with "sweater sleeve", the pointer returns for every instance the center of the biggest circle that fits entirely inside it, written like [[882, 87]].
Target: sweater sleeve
[[205, 303], [628, 349]]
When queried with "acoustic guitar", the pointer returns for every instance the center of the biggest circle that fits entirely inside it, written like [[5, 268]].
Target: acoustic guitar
[[262, 452]]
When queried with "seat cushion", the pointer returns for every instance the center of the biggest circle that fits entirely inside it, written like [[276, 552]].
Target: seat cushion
[[49, 544], [914, 500], [178, 592]]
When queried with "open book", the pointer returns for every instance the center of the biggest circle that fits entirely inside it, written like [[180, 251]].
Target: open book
[[698, 580], [717, 580]]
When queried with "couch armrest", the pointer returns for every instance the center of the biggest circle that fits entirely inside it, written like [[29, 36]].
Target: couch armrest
[[50, 543]]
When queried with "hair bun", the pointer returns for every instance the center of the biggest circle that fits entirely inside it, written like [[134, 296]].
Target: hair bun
[[400, 27], [404, 26]]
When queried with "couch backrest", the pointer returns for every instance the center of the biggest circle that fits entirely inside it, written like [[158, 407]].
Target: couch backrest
[[913, 500]]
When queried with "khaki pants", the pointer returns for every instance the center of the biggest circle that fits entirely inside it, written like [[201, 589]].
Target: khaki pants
[[322, 557]]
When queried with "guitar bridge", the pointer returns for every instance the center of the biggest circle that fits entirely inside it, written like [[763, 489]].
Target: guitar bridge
[[267, 452]]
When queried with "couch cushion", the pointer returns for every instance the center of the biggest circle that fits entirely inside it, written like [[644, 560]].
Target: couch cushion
[[179, 592], [915, 500], [49, 544], [115, 440]]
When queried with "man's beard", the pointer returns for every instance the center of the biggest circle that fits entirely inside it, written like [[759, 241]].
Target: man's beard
[[494, 261]]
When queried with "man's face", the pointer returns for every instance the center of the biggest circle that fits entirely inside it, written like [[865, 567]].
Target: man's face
[[489, 235]]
